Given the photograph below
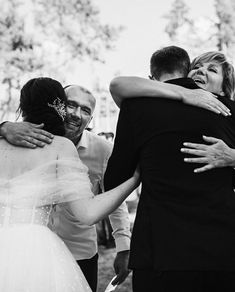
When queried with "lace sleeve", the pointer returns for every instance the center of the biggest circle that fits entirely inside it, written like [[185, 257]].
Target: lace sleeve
[[55, 182]]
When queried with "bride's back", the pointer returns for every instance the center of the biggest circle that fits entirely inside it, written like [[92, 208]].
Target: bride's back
[[42, 100], [16, 160]]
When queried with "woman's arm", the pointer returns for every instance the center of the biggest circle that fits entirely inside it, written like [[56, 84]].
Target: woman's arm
[[130, 87], [90, 211]]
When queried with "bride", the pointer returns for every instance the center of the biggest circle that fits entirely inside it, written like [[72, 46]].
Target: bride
[[32, 181]]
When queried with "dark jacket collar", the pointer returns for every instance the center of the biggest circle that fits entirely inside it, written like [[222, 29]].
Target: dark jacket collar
[[189, 83], [185, 82]]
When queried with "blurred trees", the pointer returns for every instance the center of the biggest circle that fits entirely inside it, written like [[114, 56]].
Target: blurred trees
[[41, 36], [225, 24], [17, 52], [215, 33], [75, 26], [177, 18]]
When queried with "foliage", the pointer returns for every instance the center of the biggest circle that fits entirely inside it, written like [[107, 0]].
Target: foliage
[[225, 12], [178, 17], [215, 33], [17, 51], [39, 37], [75, 26], [106, 271]]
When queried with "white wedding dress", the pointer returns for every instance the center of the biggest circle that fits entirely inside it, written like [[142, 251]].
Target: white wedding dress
[[32, 257]]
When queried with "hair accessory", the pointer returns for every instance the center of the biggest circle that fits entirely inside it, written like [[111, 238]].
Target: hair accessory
[[59, 106]]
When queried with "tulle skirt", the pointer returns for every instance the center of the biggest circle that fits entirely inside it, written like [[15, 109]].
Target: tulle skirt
[[34, 259]]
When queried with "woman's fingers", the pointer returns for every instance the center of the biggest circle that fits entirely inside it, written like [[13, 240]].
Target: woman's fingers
[[197, 146], [211, 140], [196, 160], [204, 168], [217, 106]]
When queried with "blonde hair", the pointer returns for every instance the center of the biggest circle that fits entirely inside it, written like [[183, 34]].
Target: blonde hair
[[228, 85]]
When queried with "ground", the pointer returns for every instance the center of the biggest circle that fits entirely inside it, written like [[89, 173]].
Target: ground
[[106, 271], [106, 255]]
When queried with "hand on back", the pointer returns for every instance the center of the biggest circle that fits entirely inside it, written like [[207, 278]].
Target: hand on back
[[206, 100], [212, 155], [26, 134]]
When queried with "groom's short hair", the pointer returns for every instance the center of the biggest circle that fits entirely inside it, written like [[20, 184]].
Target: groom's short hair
[[169, 60]]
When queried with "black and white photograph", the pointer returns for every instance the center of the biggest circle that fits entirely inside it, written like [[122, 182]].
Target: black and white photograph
[[117, 146]]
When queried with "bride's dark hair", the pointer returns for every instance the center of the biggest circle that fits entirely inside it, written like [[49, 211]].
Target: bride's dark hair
[[43, 100]]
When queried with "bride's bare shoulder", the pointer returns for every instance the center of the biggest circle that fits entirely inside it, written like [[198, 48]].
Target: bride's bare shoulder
[[60, 141], [64, 146]]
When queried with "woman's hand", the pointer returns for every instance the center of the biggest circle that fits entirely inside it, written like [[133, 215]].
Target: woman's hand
[[204, 99], [216, 154]]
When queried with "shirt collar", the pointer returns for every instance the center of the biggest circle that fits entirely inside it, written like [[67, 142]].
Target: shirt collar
[[83, 143]]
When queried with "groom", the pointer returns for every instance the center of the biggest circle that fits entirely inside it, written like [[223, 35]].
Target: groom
[[171, 248]]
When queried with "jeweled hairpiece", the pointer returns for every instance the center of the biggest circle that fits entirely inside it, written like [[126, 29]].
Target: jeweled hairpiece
[[59, 107]]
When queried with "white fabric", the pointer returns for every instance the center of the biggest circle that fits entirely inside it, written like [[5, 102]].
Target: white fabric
[[32, 257], [81, 239], [55, 182]]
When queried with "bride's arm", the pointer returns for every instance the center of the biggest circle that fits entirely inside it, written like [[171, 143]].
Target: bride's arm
[[130, 87], [90, 211]]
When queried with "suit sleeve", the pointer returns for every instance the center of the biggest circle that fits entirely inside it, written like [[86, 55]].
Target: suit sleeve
[[119, 219], [121, 166], [124, 158]]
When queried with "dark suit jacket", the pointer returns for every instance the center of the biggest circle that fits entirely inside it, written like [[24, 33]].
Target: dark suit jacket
[[184, 221]]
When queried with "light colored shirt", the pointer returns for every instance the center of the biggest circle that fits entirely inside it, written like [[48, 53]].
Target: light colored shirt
[[81, 239]]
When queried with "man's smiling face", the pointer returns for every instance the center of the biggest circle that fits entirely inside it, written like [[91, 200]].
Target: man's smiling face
[[80, 107]]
